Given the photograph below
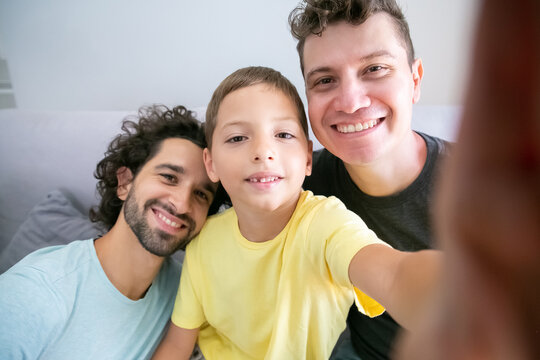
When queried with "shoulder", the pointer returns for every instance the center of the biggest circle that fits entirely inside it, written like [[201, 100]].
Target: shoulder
[[217, 222], [323, 211], [435, 145], [53, 262], [319, 202], [43, 278], [32, 305], [216, 228]]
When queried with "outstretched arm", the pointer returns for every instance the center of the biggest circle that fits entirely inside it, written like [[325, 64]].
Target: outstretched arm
[[403, 282], [177, 344]]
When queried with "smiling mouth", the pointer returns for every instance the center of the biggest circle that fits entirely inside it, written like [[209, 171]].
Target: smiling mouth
[[169, 222], [266, 179], [358, 127]]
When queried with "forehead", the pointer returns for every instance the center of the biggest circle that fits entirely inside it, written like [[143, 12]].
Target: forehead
[[341, 42], [178, 152], [256, 102]]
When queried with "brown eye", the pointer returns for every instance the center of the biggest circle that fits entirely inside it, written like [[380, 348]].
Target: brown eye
[[285, 135], [375, 68], [236, 139], [202, 195], [324, 81], [169, 178]]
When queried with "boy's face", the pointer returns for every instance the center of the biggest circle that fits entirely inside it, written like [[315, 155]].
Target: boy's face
[[259, 150], [167, 202], [360, 89]]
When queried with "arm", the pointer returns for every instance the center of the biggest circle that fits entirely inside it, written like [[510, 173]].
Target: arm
[[177, 344], [403, 282]]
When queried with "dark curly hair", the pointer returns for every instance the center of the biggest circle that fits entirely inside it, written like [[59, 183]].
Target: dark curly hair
[[141, 139], [311, 17]]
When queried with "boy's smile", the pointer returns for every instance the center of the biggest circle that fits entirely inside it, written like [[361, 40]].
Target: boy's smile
[[264, 181], [259, 150]]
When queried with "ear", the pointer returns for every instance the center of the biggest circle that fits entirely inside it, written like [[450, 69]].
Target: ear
[[125, 178], [309, 165], [418, 74], [209, 165]]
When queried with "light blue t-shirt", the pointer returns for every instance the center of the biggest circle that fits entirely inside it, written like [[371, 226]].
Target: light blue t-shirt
[[57, 303]]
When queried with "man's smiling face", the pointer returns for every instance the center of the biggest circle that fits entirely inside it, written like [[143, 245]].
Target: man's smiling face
[[360, 88], [168, 200]]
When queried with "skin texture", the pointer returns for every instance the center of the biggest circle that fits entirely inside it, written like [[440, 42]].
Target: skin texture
[[258, 135], [370, 84], [176, 196], [128, 264], [489, 203]]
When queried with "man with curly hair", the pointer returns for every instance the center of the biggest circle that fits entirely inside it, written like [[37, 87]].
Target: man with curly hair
[[362, 79], [111, 297]]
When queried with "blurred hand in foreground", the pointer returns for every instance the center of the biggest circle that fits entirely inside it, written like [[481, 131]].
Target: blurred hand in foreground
[[488, 204]]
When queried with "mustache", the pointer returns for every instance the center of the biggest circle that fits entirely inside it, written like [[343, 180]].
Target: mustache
[[186, 218]]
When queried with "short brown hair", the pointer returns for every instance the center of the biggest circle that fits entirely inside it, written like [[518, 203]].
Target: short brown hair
[[245, 77], [313, 16]]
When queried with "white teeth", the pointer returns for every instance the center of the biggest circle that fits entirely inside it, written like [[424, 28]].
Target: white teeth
[[357, 127], [264, 180], [168, 222]]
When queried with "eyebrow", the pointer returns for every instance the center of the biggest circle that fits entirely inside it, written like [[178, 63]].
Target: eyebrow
[[244, 122], [175, 168], [325, 69]]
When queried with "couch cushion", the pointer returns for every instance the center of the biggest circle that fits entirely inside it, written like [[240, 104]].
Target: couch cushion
[[53, 221]]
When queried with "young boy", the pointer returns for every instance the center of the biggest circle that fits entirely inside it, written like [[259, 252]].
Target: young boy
[[273, 276]]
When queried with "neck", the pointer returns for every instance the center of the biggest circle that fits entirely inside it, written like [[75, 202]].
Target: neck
[[260, 225], [394, 172], [129, 267]]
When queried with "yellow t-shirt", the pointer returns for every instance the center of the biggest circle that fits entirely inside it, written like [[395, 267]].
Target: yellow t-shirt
[[286, 298]]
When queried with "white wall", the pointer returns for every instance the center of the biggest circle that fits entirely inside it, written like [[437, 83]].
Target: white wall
[[120, 54]]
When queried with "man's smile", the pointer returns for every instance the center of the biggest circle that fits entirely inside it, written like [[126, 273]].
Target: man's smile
[[358, 126]]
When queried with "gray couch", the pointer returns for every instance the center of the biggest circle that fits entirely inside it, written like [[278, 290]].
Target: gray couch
[[47, 160]]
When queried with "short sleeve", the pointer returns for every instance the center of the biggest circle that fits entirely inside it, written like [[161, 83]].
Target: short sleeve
[[345, 233], [187, 312], [31, 316]]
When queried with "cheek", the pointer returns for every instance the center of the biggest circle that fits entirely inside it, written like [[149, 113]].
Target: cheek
[[403, 90], [200, 216], [315, 116], [316, 105]]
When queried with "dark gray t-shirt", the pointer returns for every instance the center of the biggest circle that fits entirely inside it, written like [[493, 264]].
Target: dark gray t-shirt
[[403, 220]]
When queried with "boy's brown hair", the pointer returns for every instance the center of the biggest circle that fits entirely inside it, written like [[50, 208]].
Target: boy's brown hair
[[249, 76], [313, 16]]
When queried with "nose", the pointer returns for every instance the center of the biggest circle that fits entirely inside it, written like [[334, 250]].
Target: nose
[[262, 150], [352, 95], [180, 200]]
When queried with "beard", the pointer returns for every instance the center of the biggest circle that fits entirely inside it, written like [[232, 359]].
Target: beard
[[155, 241]]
